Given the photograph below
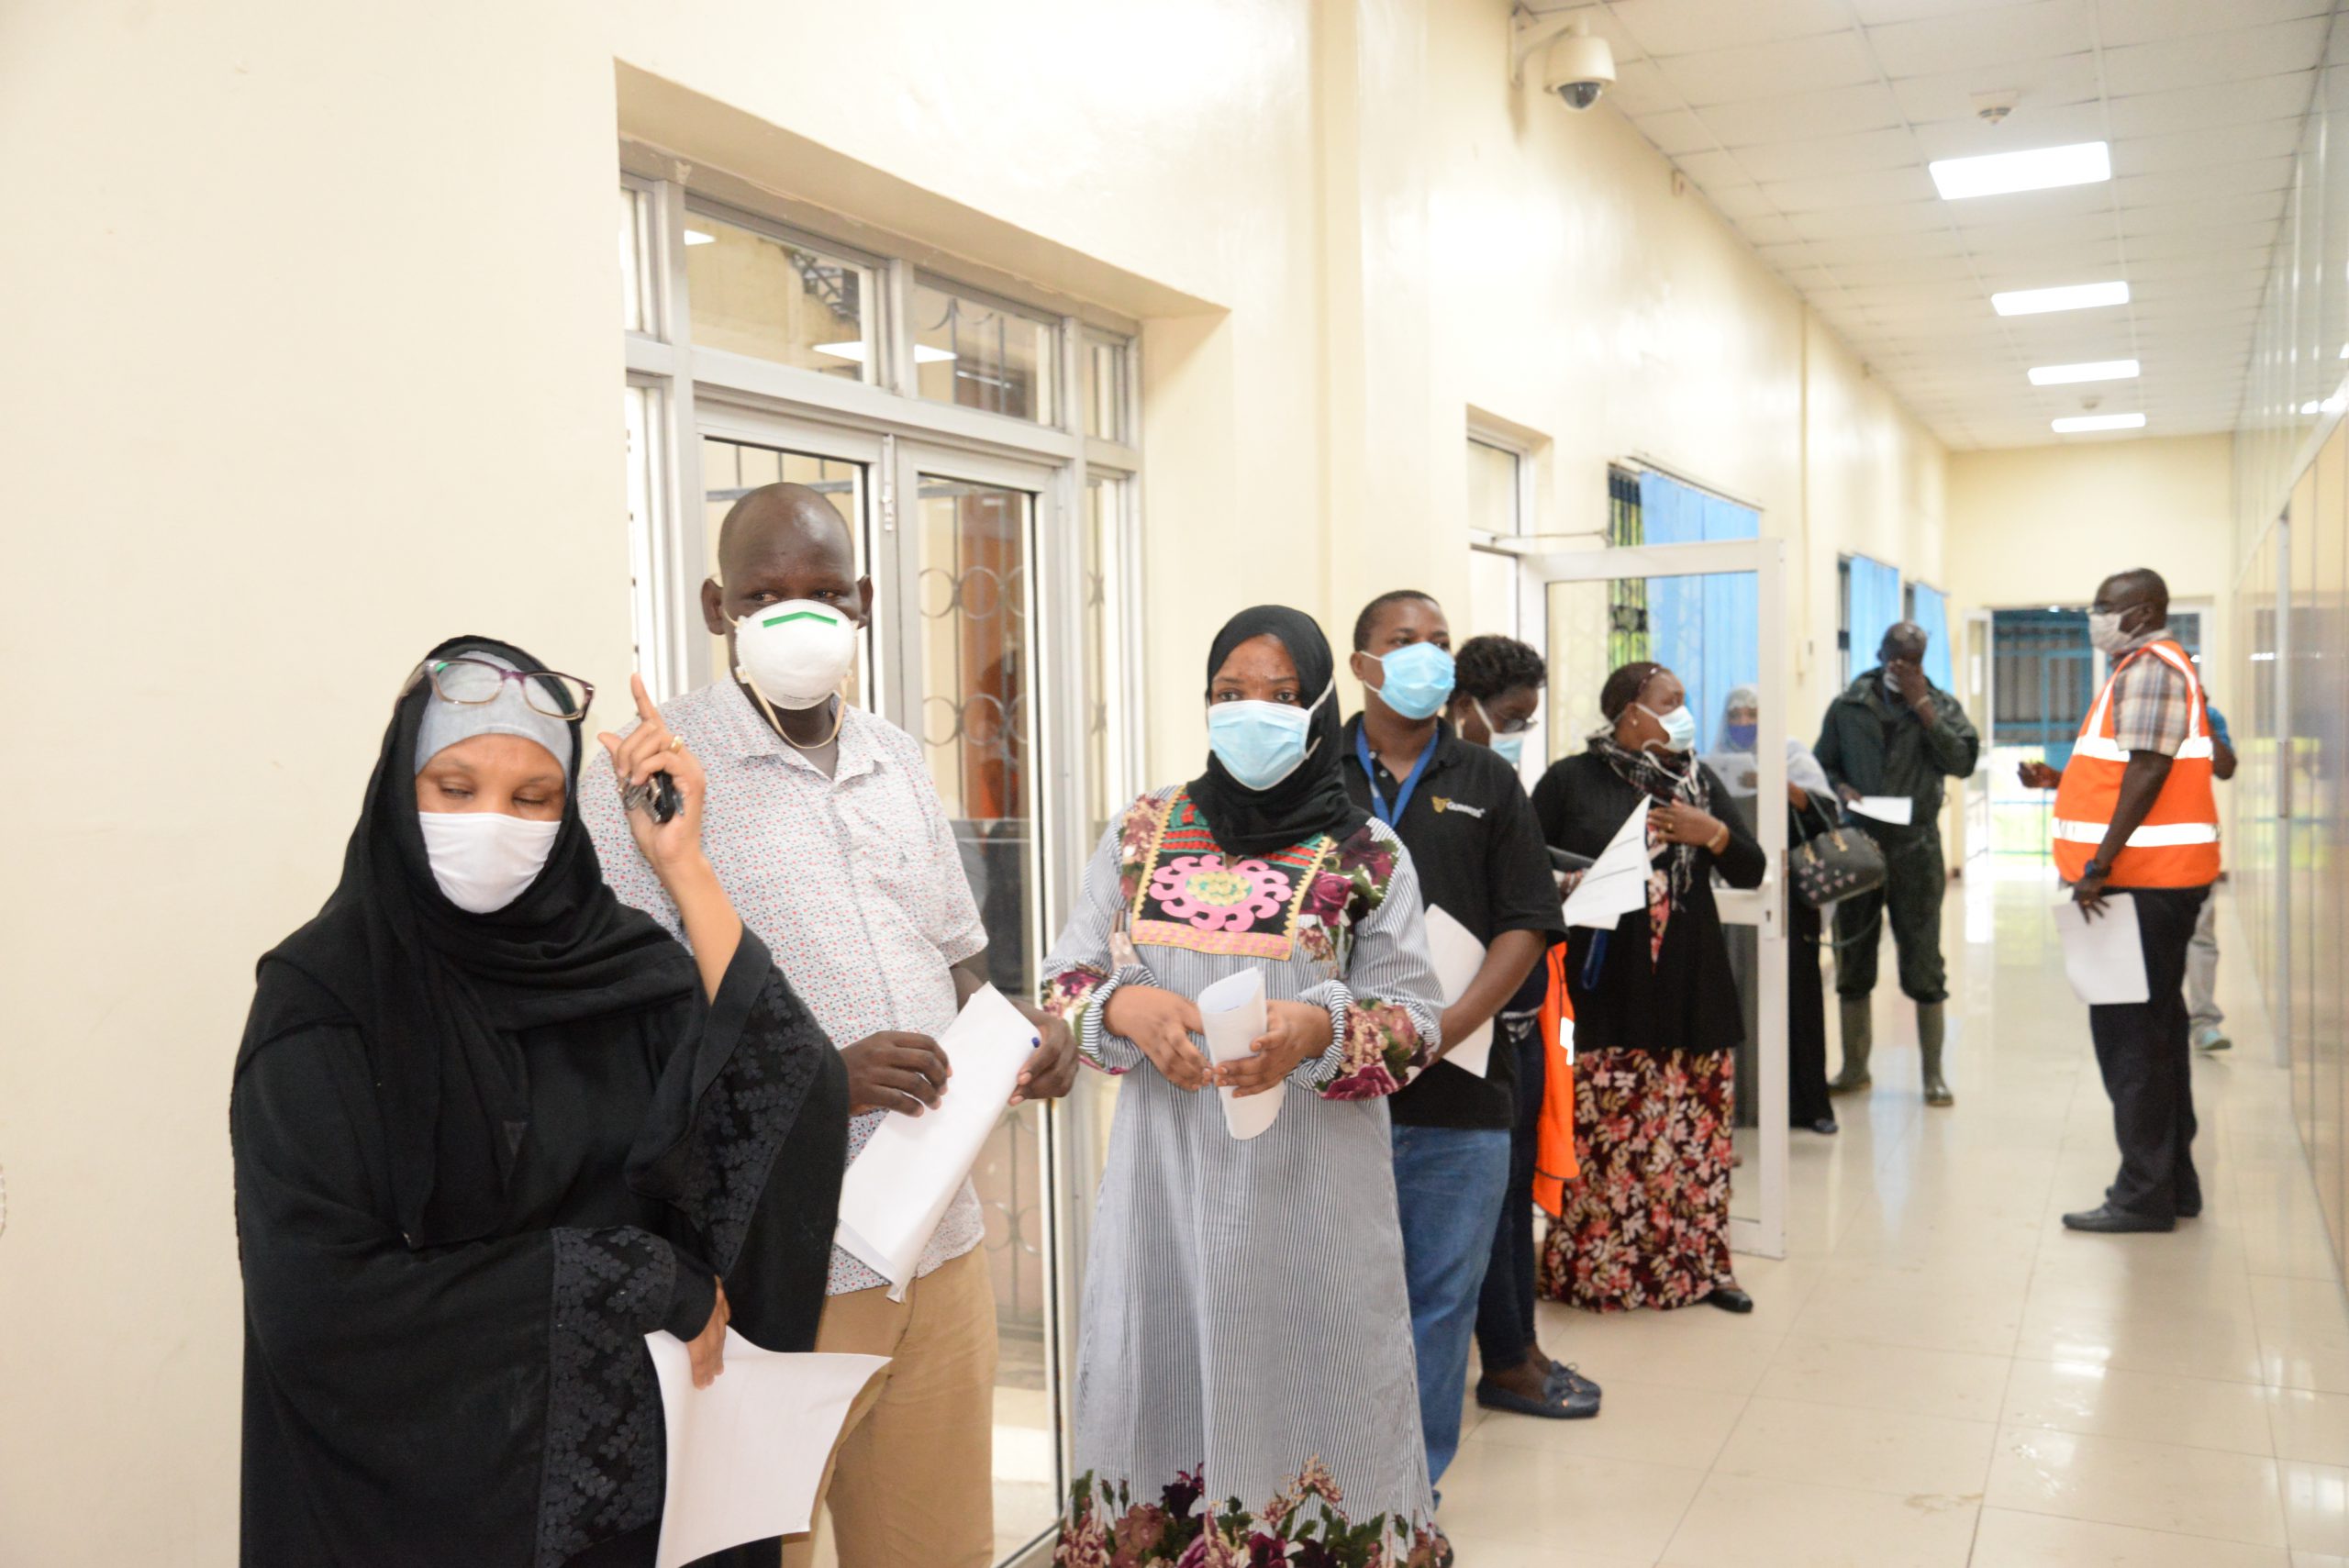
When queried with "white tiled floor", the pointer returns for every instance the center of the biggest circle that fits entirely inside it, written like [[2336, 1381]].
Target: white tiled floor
[[1938, 1373]]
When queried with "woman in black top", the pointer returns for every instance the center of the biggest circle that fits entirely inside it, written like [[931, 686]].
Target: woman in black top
[[492, 1128], [1656, 1016]]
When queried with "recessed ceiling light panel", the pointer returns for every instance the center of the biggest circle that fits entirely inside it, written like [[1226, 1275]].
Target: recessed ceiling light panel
[[2094, 369], [2038, 169], [2070, 297], [2080, 424]]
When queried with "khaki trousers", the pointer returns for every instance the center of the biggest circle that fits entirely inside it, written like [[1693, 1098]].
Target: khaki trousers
[[911, 1484]]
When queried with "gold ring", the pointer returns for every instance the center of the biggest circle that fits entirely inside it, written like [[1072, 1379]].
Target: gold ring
[[676, 742]]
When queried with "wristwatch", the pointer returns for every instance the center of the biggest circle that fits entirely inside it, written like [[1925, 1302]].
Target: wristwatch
[[2094, 871]]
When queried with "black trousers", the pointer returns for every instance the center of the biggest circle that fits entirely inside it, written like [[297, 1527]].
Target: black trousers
[[2142, 1048], [1915, 877], [1807, 1100], [1505, 1309]]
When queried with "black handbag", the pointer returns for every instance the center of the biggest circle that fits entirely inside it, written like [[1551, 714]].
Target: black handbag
[[1839, 862]]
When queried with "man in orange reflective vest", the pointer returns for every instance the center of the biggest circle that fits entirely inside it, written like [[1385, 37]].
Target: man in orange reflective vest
[[2135, 813]]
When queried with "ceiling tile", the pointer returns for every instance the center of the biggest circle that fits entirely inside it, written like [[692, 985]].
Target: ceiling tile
[[1888, 247], [1964, 134], [1641, 90], [2046, 83], [2230, 56], [1768, 229], [1674, 131], [1796, 116], [1881, 187], [2191, 243], [1977, 40], [2214, 103], [1691, 26], [2219, 216], [1907, 218], [2148, 21], [1874, 13], [1814, 156], [2207, 145], [1740, 202], [1765, 71], [2196, 185]]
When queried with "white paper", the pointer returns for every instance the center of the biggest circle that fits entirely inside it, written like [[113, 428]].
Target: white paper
[[897, 1187], [1458, 956], [1232, 1015], [1617, 882], [747, 1454], [1898, 809], [2103, 957]]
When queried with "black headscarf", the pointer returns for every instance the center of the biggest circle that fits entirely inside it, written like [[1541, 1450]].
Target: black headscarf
[[438, 994], [1310, 801]]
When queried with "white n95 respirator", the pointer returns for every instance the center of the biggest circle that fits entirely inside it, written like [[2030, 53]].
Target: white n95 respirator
[[797, 653]]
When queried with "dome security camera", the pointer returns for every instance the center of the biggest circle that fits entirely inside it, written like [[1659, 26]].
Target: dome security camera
[[1579, 68]]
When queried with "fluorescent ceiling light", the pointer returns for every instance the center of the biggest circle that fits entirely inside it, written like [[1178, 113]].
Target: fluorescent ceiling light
[[696, 237], [2333, 404], [2039, 169], [2080, 423], [2070, 297], [2094, 369], [923, 354]]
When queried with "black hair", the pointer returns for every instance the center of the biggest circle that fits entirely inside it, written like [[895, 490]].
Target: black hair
[[1623, 687], [1369, 616], [1485, 666]]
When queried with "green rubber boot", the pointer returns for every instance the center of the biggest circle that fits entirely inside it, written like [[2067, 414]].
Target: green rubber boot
[[1929, 1046], [1858, 1036]]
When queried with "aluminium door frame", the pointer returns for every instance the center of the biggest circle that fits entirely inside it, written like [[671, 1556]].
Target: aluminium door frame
[[1549, 559]]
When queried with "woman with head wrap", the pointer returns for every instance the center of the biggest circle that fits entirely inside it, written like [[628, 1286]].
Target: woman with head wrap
[[491, 1128], [1656, 1015], [1244, 1369], [1807, 1102]]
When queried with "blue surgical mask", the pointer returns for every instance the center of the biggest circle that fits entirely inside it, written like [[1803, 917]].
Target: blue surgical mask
[[1680, 726], [1741, 736], [1419, 679], [1261, 743], [1510, 748]]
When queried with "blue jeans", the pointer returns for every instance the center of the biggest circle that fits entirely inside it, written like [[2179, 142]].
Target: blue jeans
[[1449, 1184]]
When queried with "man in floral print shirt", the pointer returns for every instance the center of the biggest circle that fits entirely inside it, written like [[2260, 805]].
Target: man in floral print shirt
[[825, 826]]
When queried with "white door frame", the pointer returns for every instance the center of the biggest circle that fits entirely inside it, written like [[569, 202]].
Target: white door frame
[[1561, 559]]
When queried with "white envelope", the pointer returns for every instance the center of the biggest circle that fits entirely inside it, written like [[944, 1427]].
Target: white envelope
[[747, 1454], [2104, 958], [1896, 810], [1458, 956], [1617, 882], [1231, 1015], [897, 1187]]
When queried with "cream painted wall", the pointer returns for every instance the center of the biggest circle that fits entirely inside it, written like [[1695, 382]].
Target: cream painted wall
[[318, 359], [2043, 525]]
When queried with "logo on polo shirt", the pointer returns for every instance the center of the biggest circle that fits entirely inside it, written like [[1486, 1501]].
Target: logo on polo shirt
[[1445, 803]]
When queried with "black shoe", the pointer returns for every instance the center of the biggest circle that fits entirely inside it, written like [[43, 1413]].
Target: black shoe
[[1825, 1127], [1729, 1298], [1553, 1406], [2106, 1221], [1565, 1380]]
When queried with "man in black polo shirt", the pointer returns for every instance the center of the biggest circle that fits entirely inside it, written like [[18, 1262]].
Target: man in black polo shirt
[[1465, 817]]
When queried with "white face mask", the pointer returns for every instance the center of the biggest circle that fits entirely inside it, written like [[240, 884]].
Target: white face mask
[[2104, 630], [1679, 728], [485, 859], [797, 653]]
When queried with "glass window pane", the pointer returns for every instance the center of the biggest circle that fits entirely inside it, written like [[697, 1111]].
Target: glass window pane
[[974, 723], [753, 294], [1492, 489], [977, 354], [1492, 595], [636, 311], [1103, 364], [730, 470]]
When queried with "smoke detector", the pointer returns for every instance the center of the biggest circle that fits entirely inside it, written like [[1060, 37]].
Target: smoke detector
[[1990, 108]]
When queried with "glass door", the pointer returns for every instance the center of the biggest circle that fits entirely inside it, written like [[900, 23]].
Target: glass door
[[1595, 609], [969, 639]]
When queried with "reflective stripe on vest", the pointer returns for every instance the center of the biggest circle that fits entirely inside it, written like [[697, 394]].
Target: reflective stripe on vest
[[2177, 844]]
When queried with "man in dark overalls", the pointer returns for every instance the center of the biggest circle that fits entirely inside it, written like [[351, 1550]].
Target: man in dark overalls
[[1893, 733]]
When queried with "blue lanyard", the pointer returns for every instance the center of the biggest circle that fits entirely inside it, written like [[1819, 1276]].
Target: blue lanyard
[[1390, 816]]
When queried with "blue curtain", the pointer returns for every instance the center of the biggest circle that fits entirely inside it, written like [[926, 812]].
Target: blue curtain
[[1875, 607], [1707, 628], [1930, 609]]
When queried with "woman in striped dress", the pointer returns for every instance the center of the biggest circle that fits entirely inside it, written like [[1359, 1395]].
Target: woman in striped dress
[[1244, 1376]]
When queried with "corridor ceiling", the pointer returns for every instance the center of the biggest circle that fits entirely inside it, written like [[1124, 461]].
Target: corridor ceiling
[[1809, 125]]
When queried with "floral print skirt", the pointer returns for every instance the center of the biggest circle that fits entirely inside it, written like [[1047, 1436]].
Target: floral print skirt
[[1647, 1223], [1108, 1527]]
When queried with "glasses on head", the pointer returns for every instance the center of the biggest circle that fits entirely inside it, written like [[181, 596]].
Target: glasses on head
[[471, 680]]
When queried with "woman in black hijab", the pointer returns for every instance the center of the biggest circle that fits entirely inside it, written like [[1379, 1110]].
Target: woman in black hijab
[[491, 1128], [1245, 1329]]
